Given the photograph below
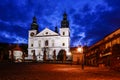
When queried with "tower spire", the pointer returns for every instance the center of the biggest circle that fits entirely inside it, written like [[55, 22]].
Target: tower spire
[[34, 25], [34, 20], [64, 16], [64, 22]]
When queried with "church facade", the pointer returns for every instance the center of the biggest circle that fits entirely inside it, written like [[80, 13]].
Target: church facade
[[48, 44]]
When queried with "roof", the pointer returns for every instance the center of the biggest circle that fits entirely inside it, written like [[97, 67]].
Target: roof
[[106, 38], [17, 48], [47, 32]]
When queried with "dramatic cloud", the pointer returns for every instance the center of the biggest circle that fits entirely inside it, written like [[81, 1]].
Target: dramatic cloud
[[90, 20]]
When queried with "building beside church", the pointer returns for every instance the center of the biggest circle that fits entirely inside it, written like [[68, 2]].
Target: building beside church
[[16, 53], [48, 44], [105, 52]]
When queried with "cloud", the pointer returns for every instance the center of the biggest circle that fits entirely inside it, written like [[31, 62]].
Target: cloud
[[94, 22], [89, 20], [11, 38]]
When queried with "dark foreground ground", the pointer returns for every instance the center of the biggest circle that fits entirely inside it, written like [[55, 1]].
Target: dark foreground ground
[[37, 71]]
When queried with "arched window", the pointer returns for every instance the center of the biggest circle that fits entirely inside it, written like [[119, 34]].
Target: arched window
[[46, 43], [31, 44], [63, 44], [32, 51], [63, 33]]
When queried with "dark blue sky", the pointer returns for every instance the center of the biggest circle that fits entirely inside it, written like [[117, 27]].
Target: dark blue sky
[[90, 20]]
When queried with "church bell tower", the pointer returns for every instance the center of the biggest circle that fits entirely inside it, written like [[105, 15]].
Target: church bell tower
[[64, 30], [65, 33], [32, 33], [34, 25], [34, 28], [64, 22]]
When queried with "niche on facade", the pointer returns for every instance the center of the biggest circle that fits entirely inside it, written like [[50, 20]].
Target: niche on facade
[[46, 43]]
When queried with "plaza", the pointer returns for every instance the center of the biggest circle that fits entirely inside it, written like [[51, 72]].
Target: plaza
[[44, 71]]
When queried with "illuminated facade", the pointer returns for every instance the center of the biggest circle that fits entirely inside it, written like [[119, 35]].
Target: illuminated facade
[[16, 54], [77, 55], [106, 52], [48, 44]]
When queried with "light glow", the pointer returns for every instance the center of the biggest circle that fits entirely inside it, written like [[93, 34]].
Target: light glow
[[69, 53], [80, 49]]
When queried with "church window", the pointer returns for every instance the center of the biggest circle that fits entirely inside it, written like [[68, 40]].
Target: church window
[[33, 51], [31, 45], [63, 44], [46, 32], [63, 33], [46, 43]]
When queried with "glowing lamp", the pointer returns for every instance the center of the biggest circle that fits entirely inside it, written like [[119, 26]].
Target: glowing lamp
[[79, 49]]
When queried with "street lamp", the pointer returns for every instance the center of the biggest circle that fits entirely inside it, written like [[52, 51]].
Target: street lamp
[[80, 50], [70, 56]]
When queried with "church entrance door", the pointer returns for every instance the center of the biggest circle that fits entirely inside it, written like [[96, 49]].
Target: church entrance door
[[61, 55]]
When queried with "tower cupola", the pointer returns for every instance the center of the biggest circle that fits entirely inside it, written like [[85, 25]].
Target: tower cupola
[[64, 22], [34, 25]]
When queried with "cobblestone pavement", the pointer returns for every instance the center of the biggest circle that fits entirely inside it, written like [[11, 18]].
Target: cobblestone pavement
[[37, 71]]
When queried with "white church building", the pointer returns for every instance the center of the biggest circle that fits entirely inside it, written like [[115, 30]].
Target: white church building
[[48, 44]]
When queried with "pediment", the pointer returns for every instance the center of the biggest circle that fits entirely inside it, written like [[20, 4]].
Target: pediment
[[47, 32]]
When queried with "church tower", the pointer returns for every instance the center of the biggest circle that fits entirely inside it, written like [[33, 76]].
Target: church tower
[[34, 28], [34, 25], [32, 33], [65, 32], [64, 22]]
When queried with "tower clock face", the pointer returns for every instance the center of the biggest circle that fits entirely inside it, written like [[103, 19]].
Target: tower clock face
[[31, 34]]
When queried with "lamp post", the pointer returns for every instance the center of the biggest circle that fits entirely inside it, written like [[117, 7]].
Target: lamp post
[[80, 50]]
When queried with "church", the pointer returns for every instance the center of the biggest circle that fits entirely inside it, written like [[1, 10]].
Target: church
[[48, 44]]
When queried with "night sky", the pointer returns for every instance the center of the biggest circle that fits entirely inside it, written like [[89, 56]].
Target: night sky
[[90, 20]]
